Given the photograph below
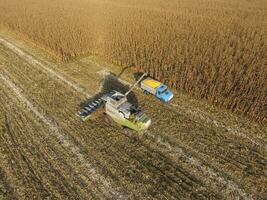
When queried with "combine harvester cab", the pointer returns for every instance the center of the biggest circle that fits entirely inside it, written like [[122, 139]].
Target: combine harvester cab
[[125, 113], [156, 88]]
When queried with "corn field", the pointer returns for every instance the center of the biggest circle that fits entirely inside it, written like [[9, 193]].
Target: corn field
[[214, 50]]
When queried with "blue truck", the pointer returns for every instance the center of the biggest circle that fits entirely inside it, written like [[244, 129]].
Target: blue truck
[[156, 88]]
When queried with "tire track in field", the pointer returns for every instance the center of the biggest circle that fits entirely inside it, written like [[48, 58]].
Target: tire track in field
[[31, 139], [45, 69], [209, 175], [204, 116], [6, 190], [18, 154], [106, 186]]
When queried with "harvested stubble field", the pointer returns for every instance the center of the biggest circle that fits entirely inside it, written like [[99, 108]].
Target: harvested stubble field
[[192, 151], [212, 49]]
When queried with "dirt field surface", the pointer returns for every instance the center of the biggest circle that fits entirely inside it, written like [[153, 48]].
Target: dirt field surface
[[191, 151]]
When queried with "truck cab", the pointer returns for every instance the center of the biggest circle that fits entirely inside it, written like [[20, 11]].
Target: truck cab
[[163, 93]]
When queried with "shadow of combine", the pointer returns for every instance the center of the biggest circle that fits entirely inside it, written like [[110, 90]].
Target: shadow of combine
[[138, 75], [109, 83]]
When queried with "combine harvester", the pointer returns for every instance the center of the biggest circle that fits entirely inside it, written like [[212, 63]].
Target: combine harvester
[[117, 109]]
